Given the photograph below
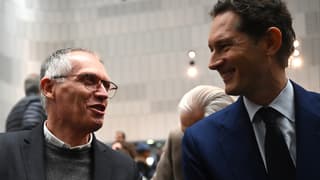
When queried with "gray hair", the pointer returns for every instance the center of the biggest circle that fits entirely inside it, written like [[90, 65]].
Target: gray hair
[[58, 64], [207, 98]]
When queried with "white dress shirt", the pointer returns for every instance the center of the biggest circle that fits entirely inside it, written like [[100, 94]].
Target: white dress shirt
[[52, 139], [284, 103]]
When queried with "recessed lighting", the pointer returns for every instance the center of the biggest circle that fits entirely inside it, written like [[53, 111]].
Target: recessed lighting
[[296, 52], [191, 54], [150, 141], [295, 62], [296, 43], [192, 71]]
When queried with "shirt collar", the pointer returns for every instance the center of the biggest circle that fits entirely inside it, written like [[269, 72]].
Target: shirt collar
[[284, 103], [50, 138]]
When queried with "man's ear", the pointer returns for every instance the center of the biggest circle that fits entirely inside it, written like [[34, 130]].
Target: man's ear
[[46, 86], [273, 39]]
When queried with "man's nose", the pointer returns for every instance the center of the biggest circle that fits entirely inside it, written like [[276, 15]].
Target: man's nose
[[102, 91], [214, 62]]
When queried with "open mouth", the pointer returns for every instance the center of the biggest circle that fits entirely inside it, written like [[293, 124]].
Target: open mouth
[[98, 108]]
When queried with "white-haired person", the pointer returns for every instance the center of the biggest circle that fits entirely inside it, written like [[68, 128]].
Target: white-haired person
[[196, 104]]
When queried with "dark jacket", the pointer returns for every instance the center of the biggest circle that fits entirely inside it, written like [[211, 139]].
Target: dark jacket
[[22, 157], [223, 146], [26, 114]]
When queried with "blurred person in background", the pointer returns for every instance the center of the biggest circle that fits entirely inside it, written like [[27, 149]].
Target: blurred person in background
[[143, 153], [125, 147], [28, 112], [120, 144], [196, 104], [120, 136], [76, 90]]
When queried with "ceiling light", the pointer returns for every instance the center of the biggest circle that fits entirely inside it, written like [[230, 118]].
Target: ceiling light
[[295, 62], [191, 54], [296, 43], [296, 52]]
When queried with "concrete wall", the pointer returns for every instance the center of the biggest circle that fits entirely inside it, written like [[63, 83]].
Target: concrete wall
[[144, 44]]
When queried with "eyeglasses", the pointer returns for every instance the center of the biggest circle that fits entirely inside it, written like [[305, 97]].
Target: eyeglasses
[[92, 82]]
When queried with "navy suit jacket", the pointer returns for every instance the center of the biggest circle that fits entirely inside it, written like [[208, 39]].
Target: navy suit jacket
[[22, 157], [223, 145]]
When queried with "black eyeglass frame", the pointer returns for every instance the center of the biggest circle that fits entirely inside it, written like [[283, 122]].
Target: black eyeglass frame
[[105, 83]]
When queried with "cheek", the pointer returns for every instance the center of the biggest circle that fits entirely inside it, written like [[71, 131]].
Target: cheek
[[251, 72], [72, 99]]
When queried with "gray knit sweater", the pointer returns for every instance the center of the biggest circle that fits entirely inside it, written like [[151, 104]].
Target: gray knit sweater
[[68, 164]]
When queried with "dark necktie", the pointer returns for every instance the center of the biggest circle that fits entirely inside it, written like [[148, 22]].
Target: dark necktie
[[278, 159]]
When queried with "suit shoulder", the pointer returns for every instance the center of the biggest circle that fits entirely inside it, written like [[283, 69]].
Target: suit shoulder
[[315, 95], [303, 96], [212, 124], [215, 118], [299, 90], [15, 135], [12, 140], [116, 156], [122, 164]]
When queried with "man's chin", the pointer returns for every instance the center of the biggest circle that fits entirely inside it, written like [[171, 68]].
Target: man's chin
[[98, 123], [231, 90]]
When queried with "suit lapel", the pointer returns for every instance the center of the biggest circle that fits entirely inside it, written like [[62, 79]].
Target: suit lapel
[[307, 133], [102, 161], [33, 154], [32, 151], [239, 143]]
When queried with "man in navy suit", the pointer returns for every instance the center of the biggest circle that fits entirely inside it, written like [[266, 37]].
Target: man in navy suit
[[75, 92], [250, 43]]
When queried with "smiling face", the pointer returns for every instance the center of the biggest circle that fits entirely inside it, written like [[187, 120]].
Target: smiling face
[[73, 106], [241, 61]]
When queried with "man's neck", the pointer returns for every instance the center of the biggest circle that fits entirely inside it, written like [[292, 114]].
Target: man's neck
[[68, 136], [266, 94]]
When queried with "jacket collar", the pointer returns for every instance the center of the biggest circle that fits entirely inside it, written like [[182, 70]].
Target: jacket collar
[[101, 161], [33, 153]]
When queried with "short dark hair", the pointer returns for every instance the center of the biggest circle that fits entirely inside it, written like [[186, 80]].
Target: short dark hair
[[31, 85], [257, 16]]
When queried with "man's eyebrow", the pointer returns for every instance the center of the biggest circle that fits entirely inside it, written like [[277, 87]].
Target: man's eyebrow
[[87, 73], [219, 42], [224, 40]]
